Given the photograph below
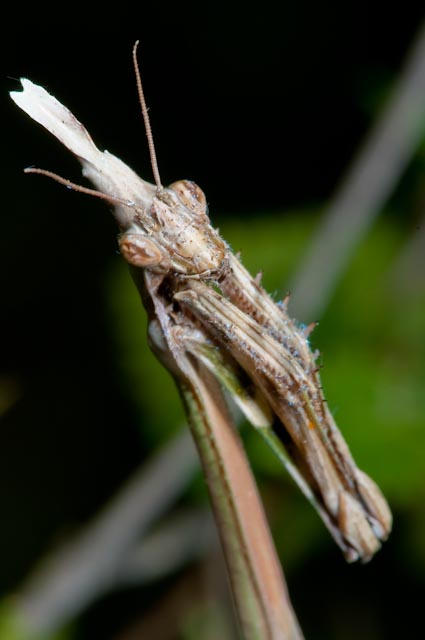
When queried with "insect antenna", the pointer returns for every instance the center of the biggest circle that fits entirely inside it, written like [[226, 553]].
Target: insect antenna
[[148, 128], [78, 187], [151, 145]]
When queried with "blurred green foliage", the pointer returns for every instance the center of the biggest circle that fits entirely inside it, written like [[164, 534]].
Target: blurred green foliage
[[12, 628]]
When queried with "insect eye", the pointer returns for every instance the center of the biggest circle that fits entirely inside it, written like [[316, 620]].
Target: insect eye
[[139, 250], [191, 196]]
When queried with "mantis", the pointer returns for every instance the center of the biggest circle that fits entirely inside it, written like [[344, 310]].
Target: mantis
[[214, 326]]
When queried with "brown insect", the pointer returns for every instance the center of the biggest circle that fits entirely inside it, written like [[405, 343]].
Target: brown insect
[[205, 306]]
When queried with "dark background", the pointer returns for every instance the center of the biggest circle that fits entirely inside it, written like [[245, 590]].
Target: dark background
[[263, 107]]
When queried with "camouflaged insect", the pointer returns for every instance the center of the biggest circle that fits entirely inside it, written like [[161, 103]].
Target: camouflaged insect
[[207, 307]]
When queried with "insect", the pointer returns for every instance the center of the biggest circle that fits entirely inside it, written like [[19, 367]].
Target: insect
[[205, 307]]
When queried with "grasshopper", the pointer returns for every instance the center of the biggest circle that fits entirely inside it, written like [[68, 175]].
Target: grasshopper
[[205, 308]]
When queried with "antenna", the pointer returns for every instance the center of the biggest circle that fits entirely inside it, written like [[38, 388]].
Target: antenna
[[78, 187], [146, 120]]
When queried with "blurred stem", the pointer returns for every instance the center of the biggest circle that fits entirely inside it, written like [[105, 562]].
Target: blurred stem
[[365, 188], [406, 276], [70, 578], [258, 585]]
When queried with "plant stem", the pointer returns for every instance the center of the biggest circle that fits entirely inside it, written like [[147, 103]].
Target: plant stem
[[259, 589]]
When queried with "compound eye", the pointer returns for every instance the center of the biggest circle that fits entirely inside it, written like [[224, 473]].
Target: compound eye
[[138, 250], [191, 196]]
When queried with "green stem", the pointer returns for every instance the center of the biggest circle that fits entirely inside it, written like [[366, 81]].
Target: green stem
[[258, 585]]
